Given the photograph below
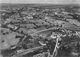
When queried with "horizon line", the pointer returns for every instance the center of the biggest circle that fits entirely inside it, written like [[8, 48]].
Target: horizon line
[[45, 3]]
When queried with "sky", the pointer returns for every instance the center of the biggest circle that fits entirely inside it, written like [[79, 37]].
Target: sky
[[42, 1]]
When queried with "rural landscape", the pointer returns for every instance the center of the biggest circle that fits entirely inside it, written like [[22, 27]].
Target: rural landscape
[[39, 30]]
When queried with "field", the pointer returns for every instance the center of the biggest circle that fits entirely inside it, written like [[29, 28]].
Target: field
[[39, 30]]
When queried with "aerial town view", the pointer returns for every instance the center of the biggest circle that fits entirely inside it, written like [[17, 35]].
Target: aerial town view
[[39, 30]]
